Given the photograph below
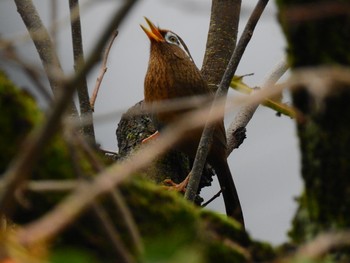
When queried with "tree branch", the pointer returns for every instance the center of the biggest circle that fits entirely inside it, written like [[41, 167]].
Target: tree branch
[[21, 167], [78, 55], [207, 135], [44, 46], [102, 71], [242, 118]]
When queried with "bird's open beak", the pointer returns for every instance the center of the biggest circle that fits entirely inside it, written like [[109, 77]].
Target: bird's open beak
[[152, 33]]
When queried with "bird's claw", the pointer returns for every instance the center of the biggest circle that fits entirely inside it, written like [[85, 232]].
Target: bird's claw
[[171, 185]]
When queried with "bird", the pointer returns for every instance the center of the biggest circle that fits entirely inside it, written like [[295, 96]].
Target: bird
[[172, 74]]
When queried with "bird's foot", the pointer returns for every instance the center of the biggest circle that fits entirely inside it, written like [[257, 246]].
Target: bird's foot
[[181, 187], [151, 137]]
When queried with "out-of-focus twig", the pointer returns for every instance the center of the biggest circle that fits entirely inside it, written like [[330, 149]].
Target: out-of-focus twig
[[21, 166], [58, 218], [205, 142], [78, 55], [122, 209], [102, 71], [42, 186], [53, 26], [317, 249], [44, 47], [30, 70], [74, 141]]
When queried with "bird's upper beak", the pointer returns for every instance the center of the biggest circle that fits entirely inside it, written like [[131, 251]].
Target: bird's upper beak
[[152, 33]]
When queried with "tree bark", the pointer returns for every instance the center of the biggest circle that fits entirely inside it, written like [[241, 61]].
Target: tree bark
[[318, 35], [222, 38]]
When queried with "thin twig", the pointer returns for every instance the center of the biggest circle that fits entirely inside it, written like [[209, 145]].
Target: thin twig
[[212, 199], [42, 186], [30, 70], [245, 114], [20, 168], [78, 55], [102, 71], [205, 142]]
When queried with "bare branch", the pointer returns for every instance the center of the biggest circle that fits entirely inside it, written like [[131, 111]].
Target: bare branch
[[234, 138], [43, 45], [78, 54], [102, 71], [206, 139], [20, 168]]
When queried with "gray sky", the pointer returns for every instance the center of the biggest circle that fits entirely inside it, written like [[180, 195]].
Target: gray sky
[[265, 168]]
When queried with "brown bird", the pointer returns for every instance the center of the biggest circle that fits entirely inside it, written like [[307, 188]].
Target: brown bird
[[172, 74]]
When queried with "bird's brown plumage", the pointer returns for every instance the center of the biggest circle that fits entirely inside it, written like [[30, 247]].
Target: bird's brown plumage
[[172, 74]]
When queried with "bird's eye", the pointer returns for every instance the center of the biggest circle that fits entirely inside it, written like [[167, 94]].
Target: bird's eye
[[171, 38]]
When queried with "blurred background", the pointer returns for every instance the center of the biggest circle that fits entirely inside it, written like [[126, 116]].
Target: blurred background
[[266, 167]]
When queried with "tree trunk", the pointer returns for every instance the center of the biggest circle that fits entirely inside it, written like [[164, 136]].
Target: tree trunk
[[318, 35]]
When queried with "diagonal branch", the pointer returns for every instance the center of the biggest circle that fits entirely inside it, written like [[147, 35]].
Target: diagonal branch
[[242, 118], [21, 167], [203, 149]]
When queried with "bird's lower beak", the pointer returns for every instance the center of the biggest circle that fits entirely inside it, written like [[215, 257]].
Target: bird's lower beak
[[152, 33]]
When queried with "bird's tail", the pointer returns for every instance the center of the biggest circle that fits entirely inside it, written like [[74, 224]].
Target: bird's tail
[[228, 188]]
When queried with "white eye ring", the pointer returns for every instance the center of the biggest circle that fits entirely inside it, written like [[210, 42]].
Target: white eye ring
[[171, 38], [174, 39]]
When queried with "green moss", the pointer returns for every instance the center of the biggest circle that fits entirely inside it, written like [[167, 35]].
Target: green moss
[[170, 209], [225, 227], [19, 115], [172, 229]]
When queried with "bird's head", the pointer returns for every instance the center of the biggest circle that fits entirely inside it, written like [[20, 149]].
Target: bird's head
[[165, 38]]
